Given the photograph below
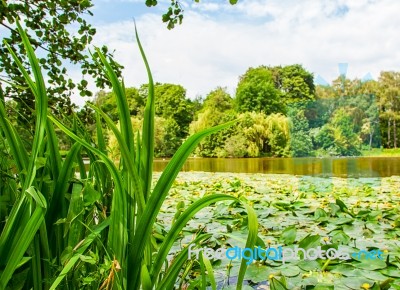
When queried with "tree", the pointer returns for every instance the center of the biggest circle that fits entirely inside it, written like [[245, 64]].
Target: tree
[[217, 108], [266, 135], [300, 140], [295, 83], [256, 92], [108, 103], [171, 102], [49, 28], [389, 102], [174, 14], [219, 99], [370, 131], [211, 145], [338, 137]]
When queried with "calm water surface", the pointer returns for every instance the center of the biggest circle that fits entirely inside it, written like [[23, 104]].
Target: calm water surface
[[323, 167]]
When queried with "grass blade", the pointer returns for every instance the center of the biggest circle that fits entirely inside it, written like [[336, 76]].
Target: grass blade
[[147, 152], [74, 216], [251, 240], [52, 145], [17, 148], [20, 214], [172, 272], [117, 238], [158, 196], [79, 251], [128, 162], [177, 227], [22, 244], [57, 206], [210, 272], [122, 103]]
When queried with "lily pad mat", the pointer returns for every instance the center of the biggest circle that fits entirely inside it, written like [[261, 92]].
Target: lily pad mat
[[357, 213]]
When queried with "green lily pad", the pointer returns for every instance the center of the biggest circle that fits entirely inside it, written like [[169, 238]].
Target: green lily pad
[[257, 273], [290, 271], [356, 282], [391, 272], [371, 264], [309, 265], [289, 235]]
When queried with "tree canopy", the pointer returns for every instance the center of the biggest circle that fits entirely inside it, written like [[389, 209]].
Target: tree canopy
[[270, 89], [175, 11], [256, 92], [60, 34]]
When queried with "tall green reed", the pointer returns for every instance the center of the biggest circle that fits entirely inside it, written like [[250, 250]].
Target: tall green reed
[[51, 225]]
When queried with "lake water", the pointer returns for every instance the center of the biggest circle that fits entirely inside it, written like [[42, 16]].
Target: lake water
[[322, 167]]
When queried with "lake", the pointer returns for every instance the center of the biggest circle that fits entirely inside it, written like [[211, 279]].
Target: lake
[[312, 166]]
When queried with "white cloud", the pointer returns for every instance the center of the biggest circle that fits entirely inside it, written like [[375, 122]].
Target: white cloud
[[212, 49]]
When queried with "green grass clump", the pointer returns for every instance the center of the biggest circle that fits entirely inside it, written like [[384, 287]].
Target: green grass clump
[[381, 152], [97, 230]]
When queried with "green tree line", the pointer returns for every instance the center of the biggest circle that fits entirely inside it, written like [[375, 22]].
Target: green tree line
[[280, 113]]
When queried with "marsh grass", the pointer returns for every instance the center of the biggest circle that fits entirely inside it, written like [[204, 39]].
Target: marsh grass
[[95, 231]]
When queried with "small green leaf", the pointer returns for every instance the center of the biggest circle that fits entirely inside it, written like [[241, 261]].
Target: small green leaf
[[275, 284], [90, 195], [288, 235], [310, 242]]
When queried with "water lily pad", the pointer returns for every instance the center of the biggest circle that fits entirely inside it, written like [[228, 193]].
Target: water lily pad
[[391, 272], [257, 273], [356, 282], [290, 271], [289, 235], [309, 265], [371, 264], [374, 275]]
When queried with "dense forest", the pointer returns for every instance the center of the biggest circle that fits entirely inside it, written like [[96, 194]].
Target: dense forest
[[280, 113]]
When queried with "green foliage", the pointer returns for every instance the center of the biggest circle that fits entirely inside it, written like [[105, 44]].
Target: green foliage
[[235, 146], [94, 230], [347, 213], [50, 28], [207, 117], [388, 91], [171, 103], [346, 140], [294, 82], [216, 109], [256, 92], [107, 102], [174, 13], [266, 135], [220, 99], [173, 110], [166, 141], [254, 135], [269, 89], [300, 140]]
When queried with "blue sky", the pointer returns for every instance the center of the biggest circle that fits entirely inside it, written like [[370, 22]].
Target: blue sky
[[218, 42]]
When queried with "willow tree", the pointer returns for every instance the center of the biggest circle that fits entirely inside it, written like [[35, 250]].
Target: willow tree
[[389, 102]]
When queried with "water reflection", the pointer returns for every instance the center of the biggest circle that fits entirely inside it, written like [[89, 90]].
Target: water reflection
[[323, 167]]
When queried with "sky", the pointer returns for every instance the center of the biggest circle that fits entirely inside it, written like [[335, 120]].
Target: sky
[[218, 42]]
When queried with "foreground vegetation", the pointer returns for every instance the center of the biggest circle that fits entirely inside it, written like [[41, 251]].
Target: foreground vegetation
[[353, 214], [97, 230], [114, 227]]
